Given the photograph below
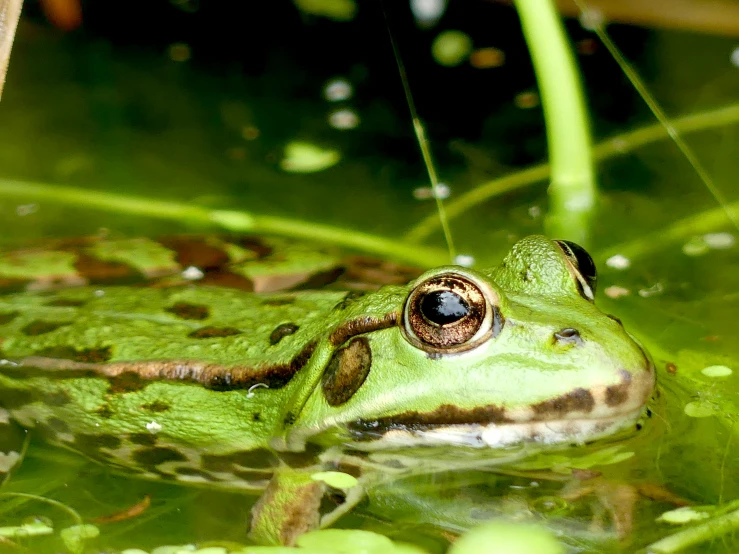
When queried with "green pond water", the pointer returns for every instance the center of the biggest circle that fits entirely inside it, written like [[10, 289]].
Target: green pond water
[[126, 113]]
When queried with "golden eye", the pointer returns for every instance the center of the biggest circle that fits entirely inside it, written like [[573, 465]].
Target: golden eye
[[582, 267], [449, 313]]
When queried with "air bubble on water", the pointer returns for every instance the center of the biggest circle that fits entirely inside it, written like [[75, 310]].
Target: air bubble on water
[[696, 246], [428, 12], [99, 293], [592, 19], [717, 371], [654, 290], [735, 57], [425, 193], [26, 209], [179, 52], [192, 273], [343, 119], [465, 260], [534, 212], [616, 291], [719, 241], [337, 90], [153, 427], [618, 261]]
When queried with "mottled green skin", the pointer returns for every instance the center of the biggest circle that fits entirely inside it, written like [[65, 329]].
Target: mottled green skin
[[523, 384]]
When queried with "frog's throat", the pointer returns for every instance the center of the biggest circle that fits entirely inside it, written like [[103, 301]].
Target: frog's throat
[[577, 417]]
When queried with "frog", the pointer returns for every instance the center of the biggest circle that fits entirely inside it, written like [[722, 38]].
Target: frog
[[230, 385]]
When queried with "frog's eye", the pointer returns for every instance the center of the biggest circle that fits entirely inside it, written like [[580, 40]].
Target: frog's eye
[[582, 266], [448, 313]]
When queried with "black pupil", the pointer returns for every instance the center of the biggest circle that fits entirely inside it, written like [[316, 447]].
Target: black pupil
[[443, 307]]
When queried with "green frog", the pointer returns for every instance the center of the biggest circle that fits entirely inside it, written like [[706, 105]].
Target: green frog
[[249, 385]]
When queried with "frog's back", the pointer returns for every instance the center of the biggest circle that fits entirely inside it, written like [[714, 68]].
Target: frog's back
[[178, 377]]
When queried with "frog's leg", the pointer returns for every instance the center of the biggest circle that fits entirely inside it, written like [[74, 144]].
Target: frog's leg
[[13, 444], [291, 505]]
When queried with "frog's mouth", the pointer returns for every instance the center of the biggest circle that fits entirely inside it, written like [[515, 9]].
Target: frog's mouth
[[576, 417]]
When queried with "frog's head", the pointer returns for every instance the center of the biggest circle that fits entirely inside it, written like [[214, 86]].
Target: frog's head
[[490, 358]]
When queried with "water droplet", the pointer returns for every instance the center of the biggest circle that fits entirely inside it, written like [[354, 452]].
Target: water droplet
[[343, 119]]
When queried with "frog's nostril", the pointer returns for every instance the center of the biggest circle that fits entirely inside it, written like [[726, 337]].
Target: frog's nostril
[[568, 335]]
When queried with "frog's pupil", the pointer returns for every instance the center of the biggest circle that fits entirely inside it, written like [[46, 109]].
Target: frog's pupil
[[443, 307]]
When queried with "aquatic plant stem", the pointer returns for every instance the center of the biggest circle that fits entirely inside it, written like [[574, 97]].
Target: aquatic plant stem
[[572, 189], [609, 148], [228, 220], [661, 116]]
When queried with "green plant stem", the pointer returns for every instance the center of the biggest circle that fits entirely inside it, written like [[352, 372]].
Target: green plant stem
[[229, 220], [695, 534], [609, 148], [573, 188]]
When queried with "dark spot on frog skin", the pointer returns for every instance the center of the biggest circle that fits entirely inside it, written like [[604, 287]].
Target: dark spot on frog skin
[[195, 472], [618, 394], [446, 414], [183, 310], [8, 317], [256, 416], [306, 458], [92, 443], [349, 299], [261, 458], [347, 371], [86, 355], [579, 400], [156, 407], [97, 271], [11, 399], [40, 327], [56, 398], [289, 418], [196, 252], [65, 303], [152, 457], [670, 368], [276, 302], [255, 244], [361, 325], [142, 439], [104, 411], [320, 279], [282, 331], [58, 425], [222, 278], [128, 381], [251, 476], [8, 285], [214, 332]]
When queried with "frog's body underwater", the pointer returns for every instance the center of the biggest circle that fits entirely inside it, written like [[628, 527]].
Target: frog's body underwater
[[215, 385]]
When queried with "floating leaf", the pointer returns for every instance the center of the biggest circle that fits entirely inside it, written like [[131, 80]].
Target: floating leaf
[[75, 536], [510, 538], [26, 530], [336, 479], [304, 157]]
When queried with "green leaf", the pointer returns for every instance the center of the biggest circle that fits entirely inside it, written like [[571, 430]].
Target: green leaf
[[75, 536], [336, 479], [26, 530]]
